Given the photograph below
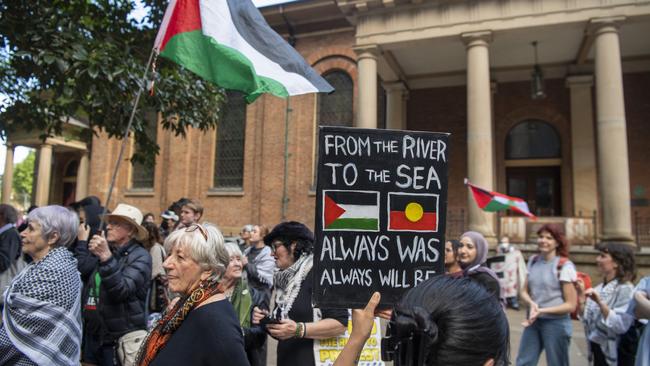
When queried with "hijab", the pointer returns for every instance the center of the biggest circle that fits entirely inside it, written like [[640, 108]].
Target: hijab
[[478, 264]]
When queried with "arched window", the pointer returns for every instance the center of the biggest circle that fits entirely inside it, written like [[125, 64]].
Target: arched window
[[533, 139], [336, 109], [229, 157]]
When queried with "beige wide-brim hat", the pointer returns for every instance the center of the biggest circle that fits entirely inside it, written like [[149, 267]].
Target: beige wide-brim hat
[[131, 215]]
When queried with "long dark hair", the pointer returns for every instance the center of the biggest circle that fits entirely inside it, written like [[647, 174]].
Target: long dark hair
[[456, 321], [558, 234], [623, 255]]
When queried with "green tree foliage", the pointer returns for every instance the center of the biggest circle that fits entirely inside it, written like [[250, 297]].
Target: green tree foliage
[[86, 58], [24, 176]]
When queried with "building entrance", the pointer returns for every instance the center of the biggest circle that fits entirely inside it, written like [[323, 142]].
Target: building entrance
[[539, 186]]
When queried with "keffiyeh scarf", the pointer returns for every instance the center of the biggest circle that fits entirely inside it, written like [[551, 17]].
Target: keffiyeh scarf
[[42, 312], [288, 283]]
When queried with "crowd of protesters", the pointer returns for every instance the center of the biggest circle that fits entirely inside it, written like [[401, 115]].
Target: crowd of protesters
[[613, 313], [114, 288]]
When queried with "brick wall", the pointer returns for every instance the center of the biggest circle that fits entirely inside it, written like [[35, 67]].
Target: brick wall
[[185, 166]]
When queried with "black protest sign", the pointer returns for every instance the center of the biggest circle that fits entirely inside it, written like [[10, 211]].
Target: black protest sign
[[380, 213]]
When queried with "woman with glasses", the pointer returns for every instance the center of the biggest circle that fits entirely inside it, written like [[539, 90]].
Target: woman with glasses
[[201, 328], [42, 314], [293, 321]]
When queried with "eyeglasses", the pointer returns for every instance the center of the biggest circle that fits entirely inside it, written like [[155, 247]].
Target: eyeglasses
[[121, 223], [201, 229], [275, 245]]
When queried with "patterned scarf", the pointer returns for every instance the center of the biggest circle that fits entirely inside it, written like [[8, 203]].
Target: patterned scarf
[[288, 283], [42, 312], [597, 331], [172, 320]]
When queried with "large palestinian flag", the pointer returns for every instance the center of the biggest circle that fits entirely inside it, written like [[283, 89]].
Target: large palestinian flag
[[494, 201], [229, 43], [350, 210], [412, 212]]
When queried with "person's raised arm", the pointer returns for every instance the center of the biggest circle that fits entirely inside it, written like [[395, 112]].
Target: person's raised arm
[[362, 322]]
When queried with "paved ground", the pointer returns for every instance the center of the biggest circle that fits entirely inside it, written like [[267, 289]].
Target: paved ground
[[578, 350]]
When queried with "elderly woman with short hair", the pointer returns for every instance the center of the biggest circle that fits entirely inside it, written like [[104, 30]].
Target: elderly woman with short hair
[[41, 321], [239, 293], [195, 266]]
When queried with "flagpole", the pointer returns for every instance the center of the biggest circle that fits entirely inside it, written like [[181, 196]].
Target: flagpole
[[285, 199], [125, 137]]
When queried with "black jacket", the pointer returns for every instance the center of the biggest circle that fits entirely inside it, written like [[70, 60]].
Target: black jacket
[[125, 279], [10, 244]]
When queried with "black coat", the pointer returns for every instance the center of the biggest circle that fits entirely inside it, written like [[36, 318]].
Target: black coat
[[125, 279], [10, 245]]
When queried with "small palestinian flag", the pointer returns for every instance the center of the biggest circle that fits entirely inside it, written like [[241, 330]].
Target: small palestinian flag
[[350, 210], [493, 201], [412, 212]]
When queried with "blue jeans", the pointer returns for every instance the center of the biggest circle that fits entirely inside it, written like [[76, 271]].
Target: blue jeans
[[551, 335]]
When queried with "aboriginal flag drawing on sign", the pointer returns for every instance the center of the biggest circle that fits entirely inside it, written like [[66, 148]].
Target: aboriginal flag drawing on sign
[[350, 210], [412, 212]]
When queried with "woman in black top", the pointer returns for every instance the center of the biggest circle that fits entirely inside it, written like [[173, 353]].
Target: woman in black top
[[473, 254], [298, 322], [202, 327]]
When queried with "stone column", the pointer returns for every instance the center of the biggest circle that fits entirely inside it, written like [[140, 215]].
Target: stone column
[[8, 177], [82, 177], [42, 195], [613, 167], [583, 149], [480, 142], [367, 73], [396, 95]]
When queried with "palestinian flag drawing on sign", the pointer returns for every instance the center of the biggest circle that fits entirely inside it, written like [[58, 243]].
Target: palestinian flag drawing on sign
[[412, 212], [350, 210]]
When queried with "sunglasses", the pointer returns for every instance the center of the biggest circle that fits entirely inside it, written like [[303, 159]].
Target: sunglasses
[[195, 227]]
